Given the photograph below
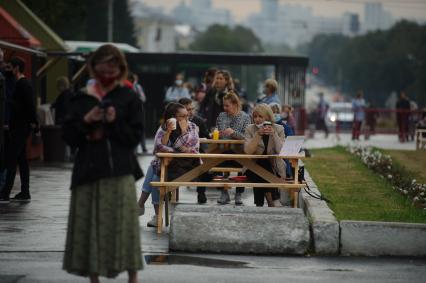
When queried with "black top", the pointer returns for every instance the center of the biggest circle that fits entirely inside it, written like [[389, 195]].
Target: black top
[[61, 105], [203, 132], [212, 106], [113, 155], [22, 106]]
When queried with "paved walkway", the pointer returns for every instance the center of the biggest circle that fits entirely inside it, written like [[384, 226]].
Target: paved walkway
[[380, 141], [32, 240]]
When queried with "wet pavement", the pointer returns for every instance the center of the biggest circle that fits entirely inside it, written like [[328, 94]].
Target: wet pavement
[[32, 237]]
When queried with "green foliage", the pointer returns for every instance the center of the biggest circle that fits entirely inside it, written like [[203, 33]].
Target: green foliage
[[85, 19], [378, 63], [221, 38], [66, 18]]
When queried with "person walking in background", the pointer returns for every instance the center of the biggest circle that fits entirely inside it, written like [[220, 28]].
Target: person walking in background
[[402, 114], [322, 110], [105, 125], [177, 91], [270, 89], [22, 121], [213, 102], [371, 115], [358, 108], [413, 119], [62, 102], [134, 79]]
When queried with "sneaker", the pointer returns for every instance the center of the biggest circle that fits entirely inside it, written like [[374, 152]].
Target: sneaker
[[153, 222], [201, 198], [24, 197], [224, 198], [277, 203], [238, 199], [4, 199]]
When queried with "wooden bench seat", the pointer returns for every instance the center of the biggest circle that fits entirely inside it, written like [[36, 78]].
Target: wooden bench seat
[[288, 186]]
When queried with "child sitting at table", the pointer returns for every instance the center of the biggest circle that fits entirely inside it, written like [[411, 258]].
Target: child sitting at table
[[266, 138]]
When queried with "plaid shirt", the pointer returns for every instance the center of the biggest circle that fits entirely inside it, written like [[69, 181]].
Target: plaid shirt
[[189, 140], [238, 123]]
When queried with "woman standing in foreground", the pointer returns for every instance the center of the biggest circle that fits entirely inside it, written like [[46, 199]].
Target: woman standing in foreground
[[105, 125]]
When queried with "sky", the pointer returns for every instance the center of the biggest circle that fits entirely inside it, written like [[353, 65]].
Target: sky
[[409, 9]]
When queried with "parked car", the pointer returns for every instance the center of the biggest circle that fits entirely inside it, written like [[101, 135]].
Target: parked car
[[340, 112]]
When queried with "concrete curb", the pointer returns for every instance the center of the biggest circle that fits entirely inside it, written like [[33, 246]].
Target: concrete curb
[[368, 238], [239, 230], [359, 238], [324, 226]]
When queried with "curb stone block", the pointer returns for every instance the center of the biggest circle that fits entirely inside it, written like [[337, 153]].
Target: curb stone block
[[363, 238], [239, 230]]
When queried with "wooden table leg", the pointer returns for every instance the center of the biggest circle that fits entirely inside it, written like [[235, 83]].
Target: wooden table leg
[[296, 181], [160, 210]]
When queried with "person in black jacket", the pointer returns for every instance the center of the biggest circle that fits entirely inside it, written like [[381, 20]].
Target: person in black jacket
[[62, 102], [22, 120], [203, 133], [105, 125], [212, 104]]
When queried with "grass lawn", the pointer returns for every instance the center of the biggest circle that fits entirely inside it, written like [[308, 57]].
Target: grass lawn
[[413, 161], [355, 191]]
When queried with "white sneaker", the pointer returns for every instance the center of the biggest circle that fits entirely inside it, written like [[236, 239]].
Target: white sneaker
[[153, 222], [277, 203]]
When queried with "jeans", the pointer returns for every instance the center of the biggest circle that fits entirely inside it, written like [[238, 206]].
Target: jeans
[[147, 188]]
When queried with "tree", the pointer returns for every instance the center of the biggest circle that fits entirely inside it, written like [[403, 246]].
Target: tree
[[85, 19], [221, 38], [66, 18], [378, 63]]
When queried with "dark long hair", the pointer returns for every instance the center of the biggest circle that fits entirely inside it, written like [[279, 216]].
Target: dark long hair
[[170, 112]]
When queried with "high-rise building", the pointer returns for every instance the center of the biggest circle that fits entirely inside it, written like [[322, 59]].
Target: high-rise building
[[376, 18]]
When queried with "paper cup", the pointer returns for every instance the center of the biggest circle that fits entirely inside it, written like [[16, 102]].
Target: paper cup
[[173, 121]]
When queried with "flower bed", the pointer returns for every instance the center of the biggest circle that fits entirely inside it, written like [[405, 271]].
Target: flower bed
[[396, 175]]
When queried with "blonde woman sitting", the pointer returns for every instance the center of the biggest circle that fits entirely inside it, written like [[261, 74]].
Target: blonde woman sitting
[[266, 138]]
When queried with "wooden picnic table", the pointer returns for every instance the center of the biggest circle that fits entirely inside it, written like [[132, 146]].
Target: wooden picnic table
[[221, 146], [209, 161]]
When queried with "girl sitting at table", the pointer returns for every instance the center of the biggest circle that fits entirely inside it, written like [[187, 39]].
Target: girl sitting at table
[[231, 124], [265, 137], [176, 134]]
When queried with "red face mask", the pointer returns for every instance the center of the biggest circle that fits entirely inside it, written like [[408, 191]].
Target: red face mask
[[106, 81]]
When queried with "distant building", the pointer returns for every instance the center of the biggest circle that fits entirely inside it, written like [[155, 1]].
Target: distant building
[[201, 14], [155, 31], [351, 25], [376, 18]]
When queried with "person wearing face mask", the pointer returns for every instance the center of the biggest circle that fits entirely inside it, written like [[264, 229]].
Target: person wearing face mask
[[105, 125], [265, 137], [270, 88], [21, 121], [177, 91]]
